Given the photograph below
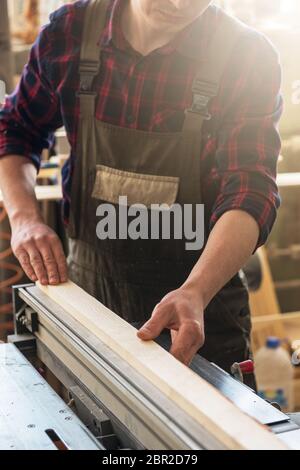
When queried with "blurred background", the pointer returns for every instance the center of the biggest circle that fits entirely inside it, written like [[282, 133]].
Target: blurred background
[[275, 291]]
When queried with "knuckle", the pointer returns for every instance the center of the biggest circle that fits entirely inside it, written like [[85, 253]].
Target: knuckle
[[195, 328], [24, 261], [52, 235], [164, 304], [193, 324], [18, 252], [40, 238], [38, 268], [62, 262], [53, 274], [53, 238], [17, 248], [157, 317], [51, 269], [27, 240], [153, 324], [49, 260], [27, 268]]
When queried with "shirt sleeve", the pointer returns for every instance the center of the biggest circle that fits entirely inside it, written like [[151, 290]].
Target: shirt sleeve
[[248, 141], [31, 113]]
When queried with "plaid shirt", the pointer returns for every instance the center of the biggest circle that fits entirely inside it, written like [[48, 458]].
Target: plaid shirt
[[240, 144]]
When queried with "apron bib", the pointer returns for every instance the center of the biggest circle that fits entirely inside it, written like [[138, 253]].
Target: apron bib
[[131, 276]]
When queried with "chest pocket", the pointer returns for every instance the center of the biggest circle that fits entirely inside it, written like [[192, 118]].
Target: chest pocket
[[111, 183]]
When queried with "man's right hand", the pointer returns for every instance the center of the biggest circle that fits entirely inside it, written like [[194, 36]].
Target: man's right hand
[[39, 251], [35, 245]]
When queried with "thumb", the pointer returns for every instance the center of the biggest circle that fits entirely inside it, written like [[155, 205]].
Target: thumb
[[157, 323]]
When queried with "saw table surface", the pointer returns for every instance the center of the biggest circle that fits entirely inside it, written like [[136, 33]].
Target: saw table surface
[[32, 415]]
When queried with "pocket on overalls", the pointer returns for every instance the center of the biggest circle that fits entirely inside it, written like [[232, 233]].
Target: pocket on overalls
[[111, 183]]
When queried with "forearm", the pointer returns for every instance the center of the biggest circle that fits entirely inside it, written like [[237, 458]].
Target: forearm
[[230, 244], [17, 182]]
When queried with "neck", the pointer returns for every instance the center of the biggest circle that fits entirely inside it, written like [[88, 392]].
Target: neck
[[139, 33]]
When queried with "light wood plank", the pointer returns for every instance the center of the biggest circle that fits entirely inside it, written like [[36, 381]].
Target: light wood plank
[[264, 300], [45, 193], [47, 173], [284, 317], [288, 179], [216, 414]]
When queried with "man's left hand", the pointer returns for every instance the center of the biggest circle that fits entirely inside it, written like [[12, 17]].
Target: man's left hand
[[182, 312]]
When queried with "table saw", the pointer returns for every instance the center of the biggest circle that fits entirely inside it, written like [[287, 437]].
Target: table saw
[[112, 406]]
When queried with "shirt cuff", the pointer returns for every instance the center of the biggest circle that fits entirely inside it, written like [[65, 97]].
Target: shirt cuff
[[21, 151], [261, 209]]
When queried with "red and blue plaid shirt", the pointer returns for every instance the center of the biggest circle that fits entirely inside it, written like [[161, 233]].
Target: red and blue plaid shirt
[[241, 143]]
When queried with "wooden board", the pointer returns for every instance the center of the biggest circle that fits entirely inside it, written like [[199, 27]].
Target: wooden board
[[216, 414], [45, 193], [288, 179], [47, 173], [264, 300]]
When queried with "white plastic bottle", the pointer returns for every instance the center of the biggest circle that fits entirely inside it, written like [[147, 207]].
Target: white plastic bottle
[[274, 374]]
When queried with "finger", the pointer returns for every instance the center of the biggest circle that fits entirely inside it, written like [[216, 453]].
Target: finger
[[36, 262], [189, 339], [61, 261], [49, 263], [24, 261], [158, 322]]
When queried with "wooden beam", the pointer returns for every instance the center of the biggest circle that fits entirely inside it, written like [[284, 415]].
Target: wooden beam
[[283, 317], [216, 414], [288, 179], [264, 300], [283, 326], [45, 193]]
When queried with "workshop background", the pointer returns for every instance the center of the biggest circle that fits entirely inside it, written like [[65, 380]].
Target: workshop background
[[274, 274]]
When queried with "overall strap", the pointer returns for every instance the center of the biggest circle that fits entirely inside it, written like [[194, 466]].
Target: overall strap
[[90, 55], [207, 82]]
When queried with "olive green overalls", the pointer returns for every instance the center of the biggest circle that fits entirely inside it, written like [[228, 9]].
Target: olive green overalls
[[132, 276]]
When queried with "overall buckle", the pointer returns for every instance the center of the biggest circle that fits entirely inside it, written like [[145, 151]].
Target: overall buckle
[[88, 71], [203, 92]]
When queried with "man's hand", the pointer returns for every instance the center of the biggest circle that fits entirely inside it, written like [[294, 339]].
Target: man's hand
[[182, 312], [35, 245], [40, 252]]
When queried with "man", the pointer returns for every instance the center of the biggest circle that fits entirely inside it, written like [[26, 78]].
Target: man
[[174, 101]]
